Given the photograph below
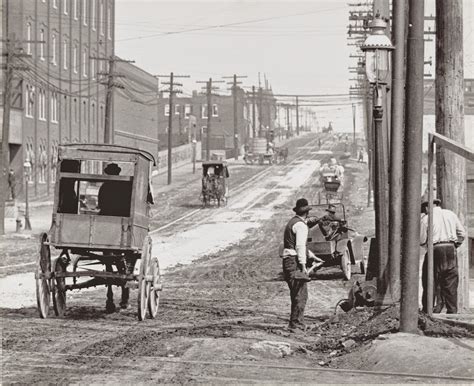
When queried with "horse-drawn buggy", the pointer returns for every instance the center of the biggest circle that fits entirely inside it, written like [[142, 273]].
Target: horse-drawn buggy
[[100, 227], [331, 242], [214, 185], [331, 180]]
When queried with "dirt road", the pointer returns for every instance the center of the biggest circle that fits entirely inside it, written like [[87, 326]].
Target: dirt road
[[224, 309]]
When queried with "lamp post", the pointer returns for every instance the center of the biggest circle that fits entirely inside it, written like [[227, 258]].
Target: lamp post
[[377, 49], [27, 171]]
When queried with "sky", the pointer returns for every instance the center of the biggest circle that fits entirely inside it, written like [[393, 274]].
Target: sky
[[299, 46]]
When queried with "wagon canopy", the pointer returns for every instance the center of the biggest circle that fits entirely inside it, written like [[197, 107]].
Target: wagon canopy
[[106, 148]]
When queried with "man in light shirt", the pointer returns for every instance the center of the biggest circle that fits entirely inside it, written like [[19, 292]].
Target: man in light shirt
[[295, 256], [448, 234]]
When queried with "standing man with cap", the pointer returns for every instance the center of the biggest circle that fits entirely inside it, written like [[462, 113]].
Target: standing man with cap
[[295, 256], [448, 234]]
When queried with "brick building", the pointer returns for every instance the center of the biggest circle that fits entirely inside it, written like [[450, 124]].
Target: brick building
[[58, 96], [190, 119]]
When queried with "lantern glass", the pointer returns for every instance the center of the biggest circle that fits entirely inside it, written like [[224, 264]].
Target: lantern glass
[[377, 65]]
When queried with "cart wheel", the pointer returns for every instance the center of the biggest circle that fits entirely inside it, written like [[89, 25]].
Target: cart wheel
[[154, 299], [43, 281], [59, 288], [346, 264], [143, 284]]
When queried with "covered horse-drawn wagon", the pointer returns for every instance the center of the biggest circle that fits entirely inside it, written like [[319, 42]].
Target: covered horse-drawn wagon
[[100, 228], [214, 186]]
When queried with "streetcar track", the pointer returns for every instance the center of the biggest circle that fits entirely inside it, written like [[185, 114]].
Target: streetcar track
[[249, 365]]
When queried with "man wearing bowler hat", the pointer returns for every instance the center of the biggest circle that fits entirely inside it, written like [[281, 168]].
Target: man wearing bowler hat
[[295, 256]]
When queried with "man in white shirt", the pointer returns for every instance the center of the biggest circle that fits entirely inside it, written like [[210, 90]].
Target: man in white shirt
[[295, 255], [448, 234]]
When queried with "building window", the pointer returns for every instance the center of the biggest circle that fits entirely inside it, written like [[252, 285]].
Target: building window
[[65, 54], [109, 23], [93, 115], [93, 68], [42, 44], [75, 10], [53, 49], [84, 62], [84, 12], [54, 107], [74, 58], [203, 130], [42, 105], [101, 17], [101, 117], [65, 7], [93, 18], [187, 111], [30, 101], [215, 112], [65, 108], [28, 38], [84, 110], [76, 113], [167, 110], [203, 111], [176, 109]]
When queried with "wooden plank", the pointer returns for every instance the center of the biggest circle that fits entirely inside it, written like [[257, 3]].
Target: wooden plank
[[95, 177], [452, 145]]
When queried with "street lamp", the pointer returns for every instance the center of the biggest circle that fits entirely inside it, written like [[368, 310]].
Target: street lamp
[[377, 49]]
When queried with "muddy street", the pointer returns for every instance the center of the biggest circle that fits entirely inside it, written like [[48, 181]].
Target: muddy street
[[224, 307]]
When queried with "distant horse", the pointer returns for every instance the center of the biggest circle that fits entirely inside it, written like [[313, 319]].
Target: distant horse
[[281, 154], [212, 189]]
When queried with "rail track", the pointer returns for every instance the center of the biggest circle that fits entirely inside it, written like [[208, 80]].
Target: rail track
[[69, 361]]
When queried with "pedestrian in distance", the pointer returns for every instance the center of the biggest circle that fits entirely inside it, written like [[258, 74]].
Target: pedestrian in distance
[[295, 259], [12, 183], [448, 234]]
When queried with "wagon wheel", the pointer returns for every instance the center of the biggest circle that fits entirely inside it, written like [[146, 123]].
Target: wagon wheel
[[154, 299], [143, 284], [43, 281], [346, 263], [59, 287]]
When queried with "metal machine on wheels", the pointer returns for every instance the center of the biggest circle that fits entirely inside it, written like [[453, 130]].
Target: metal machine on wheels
[[330, 241], [100, 228]]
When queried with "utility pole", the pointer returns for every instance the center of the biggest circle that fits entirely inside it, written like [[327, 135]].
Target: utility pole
[[412, 167], [171, 92], [5, 149], [449, 104], [260, 111], [396, 145], [110, 85], [209, 89], [288, 132], [236, 128], [354, 147], [254, 121], [297, 117]]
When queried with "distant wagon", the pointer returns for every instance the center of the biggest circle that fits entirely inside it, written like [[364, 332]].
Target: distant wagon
[[214, 185], [100, 228]]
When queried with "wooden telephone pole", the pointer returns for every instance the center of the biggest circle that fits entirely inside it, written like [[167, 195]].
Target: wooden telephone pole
[[171, 91], [209, 90], [234, 89], [449, 104], [110, 84]]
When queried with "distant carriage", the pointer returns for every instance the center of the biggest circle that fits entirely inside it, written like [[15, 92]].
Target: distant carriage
[[259, 151], [102, 240], [214, 185]]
